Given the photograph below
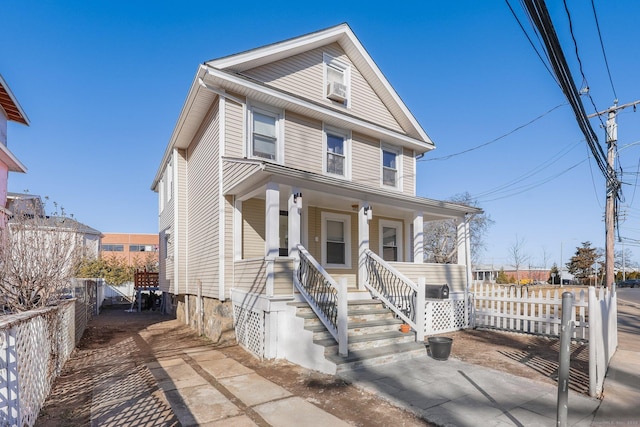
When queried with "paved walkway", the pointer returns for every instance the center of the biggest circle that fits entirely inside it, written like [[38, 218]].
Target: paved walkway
[[186, 385]]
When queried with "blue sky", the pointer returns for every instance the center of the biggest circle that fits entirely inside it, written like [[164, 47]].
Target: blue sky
[[103, 83]]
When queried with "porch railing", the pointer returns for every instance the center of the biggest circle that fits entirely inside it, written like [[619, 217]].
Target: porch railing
[[327, 298], [394, 289]]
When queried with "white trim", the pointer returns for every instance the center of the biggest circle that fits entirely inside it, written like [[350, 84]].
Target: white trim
[[398, 225], [278, 115], [346, 219], [330, 61], [237, 230], [346, 135], [398, 152], [222, 203]]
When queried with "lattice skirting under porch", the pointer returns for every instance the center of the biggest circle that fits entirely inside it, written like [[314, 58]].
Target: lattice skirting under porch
[[447, 315], [250, 329]]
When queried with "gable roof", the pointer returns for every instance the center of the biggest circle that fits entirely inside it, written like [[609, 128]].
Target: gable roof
[[219, 76], [344, 36], [10, 104]]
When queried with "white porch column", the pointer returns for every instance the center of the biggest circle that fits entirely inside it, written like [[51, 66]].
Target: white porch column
[[464, 245], [272, 221], [363, 243], [294, 222], [418, 238]]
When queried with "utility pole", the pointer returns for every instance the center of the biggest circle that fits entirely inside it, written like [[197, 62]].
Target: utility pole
[[612, 187]]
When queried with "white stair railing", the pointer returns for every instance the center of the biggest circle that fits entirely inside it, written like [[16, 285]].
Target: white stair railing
[[326, 298], [400, 294]]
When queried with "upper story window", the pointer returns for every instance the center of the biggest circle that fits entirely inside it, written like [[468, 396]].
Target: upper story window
[[337, 149], [337, 79], [390, 167], [265, 133], [112, 248]]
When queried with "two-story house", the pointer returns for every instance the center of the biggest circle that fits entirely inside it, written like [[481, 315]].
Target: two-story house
[[10, 111], [290, 177]]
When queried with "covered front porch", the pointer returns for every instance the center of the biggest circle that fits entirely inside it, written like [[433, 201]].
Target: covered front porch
[[276, 209]]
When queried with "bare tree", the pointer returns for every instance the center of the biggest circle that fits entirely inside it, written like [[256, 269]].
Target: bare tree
[[38, 256], [517, 256], [440, 237]]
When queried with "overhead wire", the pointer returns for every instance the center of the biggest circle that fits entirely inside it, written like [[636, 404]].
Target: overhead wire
[[531, 43], [495, 139], [604, 54], [534, 171], [541, 19]]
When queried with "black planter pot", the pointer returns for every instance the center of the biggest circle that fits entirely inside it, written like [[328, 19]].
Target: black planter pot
[[440, 347]]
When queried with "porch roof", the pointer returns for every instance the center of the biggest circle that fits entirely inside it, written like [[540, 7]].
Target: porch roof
[[244, 176]]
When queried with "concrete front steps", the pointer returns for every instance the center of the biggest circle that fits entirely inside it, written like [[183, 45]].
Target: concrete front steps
[[374, 336]]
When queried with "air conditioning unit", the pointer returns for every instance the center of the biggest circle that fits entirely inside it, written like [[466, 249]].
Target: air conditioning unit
[[337, 91]]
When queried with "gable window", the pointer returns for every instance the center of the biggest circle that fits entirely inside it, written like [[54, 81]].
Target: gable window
[[391, 240], [265, 139], [337, 152], [337, 76], [336, 240], [390, 167]]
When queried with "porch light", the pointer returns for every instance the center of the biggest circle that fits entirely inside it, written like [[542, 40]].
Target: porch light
[[368, 211], [297, 199]]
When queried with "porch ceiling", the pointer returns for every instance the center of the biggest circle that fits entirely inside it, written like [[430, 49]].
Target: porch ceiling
[[325, 191]]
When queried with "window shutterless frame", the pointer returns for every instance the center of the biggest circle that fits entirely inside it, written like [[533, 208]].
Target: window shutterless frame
[[265, 133]]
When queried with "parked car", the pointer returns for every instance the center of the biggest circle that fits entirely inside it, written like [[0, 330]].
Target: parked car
[[629, 283]]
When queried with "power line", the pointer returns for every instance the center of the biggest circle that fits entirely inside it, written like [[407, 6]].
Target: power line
[[606, 62], [534, 171], [495, 139]]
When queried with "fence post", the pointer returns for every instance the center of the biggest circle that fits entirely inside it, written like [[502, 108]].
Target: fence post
[[565, 352], [343, 343], [420, 309]]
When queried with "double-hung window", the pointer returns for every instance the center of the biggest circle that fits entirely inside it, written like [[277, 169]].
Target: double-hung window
[[265, 139], [337, 77], [390, 167], [337, 152], [391, 240], [336, 240]]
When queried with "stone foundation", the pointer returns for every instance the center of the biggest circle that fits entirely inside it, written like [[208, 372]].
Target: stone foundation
[[216, 321]]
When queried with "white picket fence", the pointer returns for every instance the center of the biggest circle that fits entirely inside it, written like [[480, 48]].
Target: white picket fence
[[518, 309]]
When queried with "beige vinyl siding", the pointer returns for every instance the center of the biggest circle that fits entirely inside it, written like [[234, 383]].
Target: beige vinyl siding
[[303, 75], [203, 209], [283, 276], [180, 196], [453, 275], [236, 172], [366, 164], [251, 275], [253, 230], [408, 172], [234, 129], [228, 245], [165, 222], [303, 143]]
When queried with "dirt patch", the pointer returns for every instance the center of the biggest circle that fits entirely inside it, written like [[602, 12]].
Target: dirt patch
[[69, 403]]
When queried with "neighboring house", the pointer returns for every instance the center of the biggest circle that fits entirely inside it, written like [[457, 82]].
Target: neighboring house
[[10, 111], [134, 248], [289, 162], [32, 205], [489, 273]]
